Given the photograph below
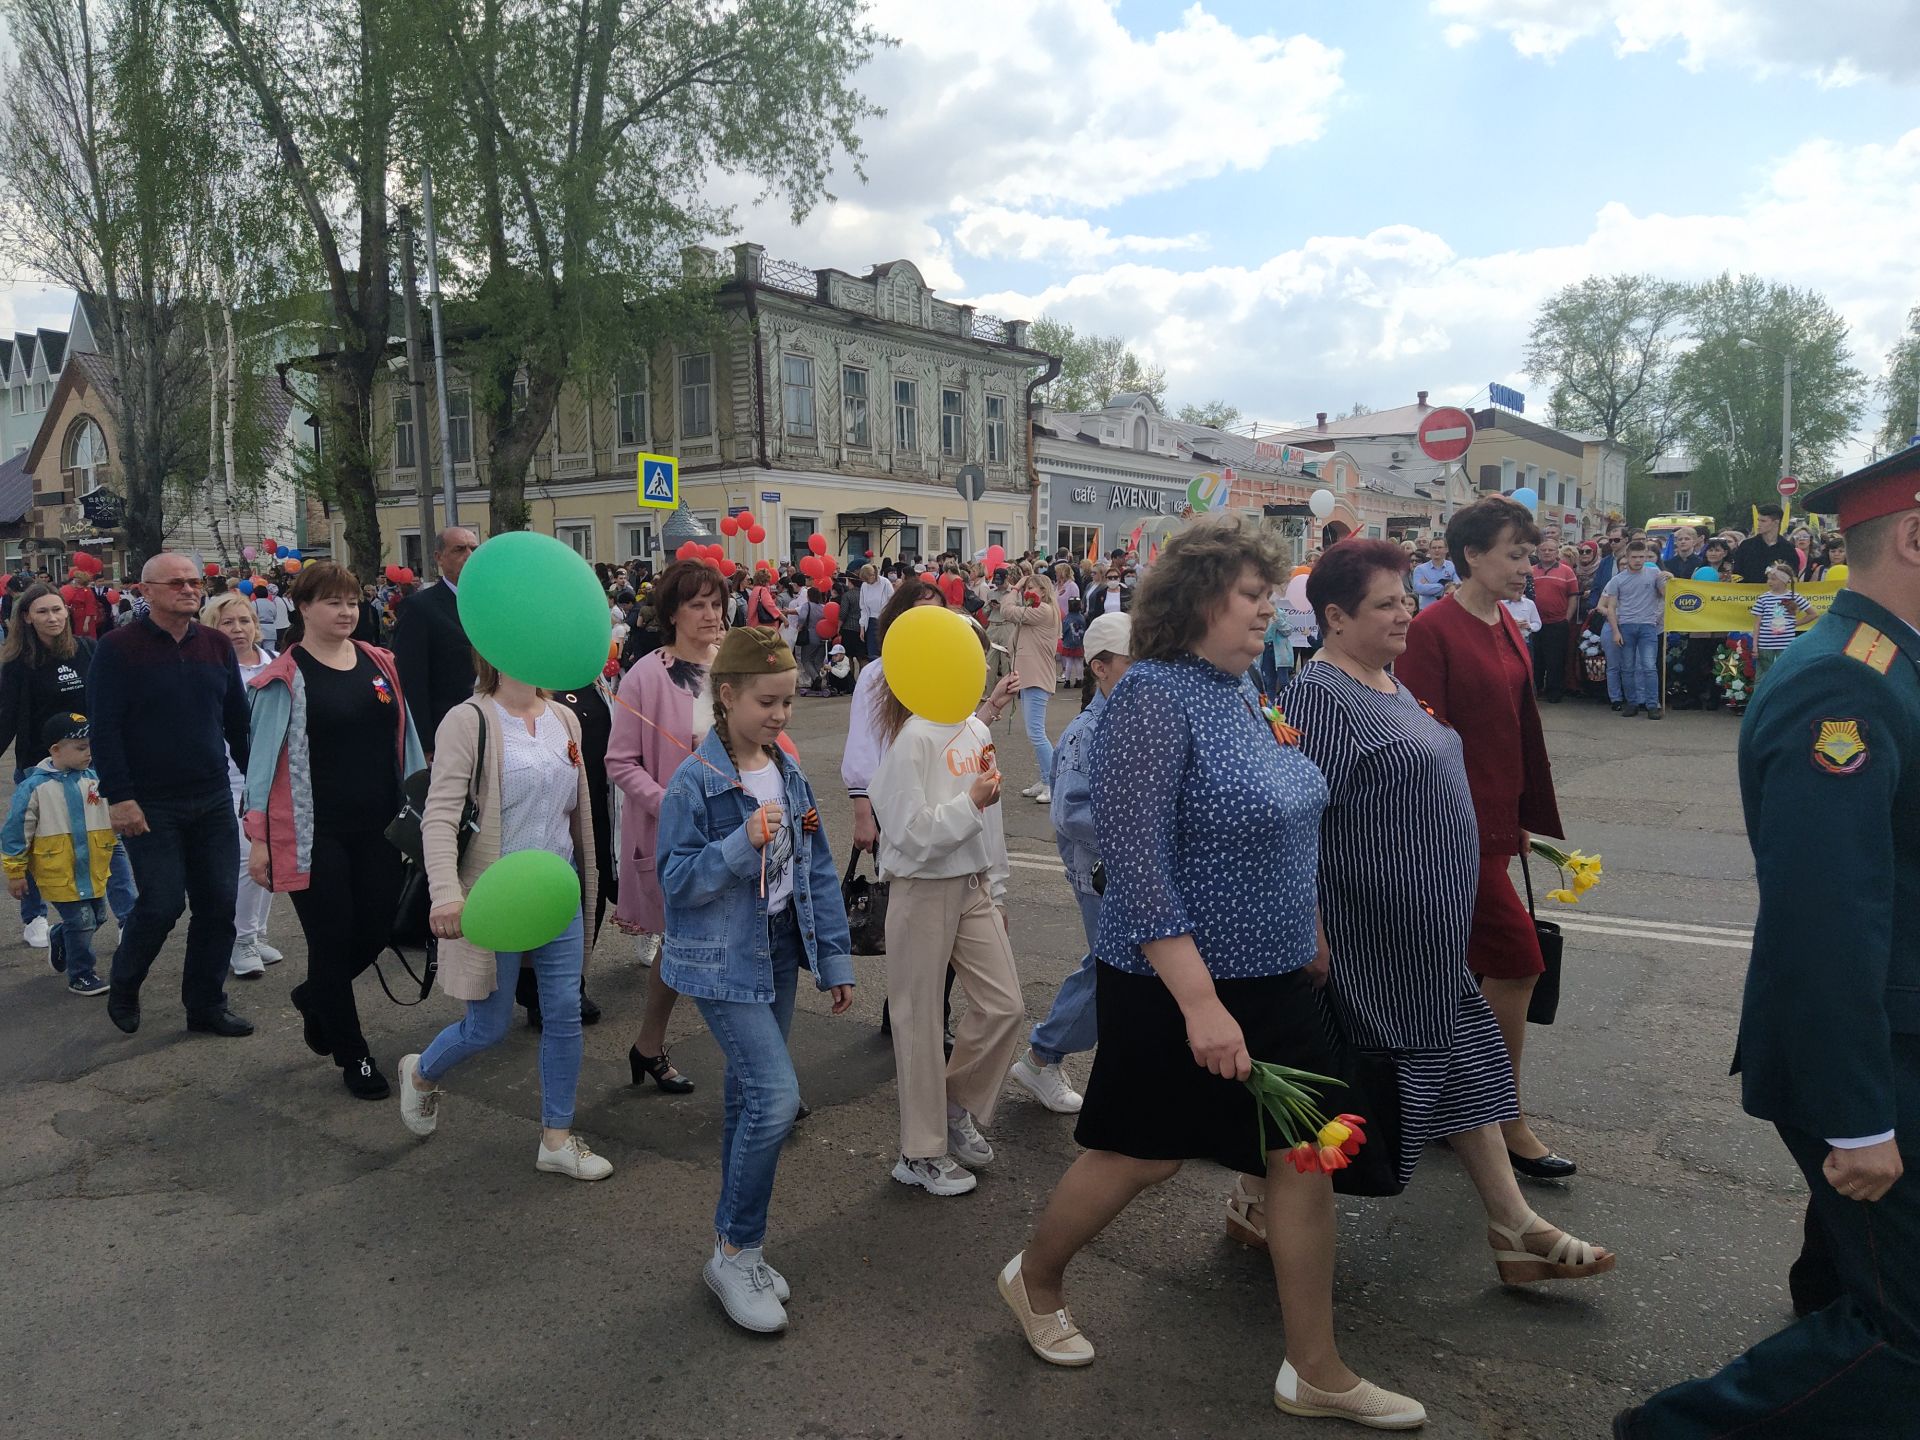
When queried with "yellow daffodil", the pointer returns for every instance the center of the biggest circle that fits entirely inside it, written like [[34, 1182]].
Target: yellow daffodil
[[1565, 897], [1583, 881]]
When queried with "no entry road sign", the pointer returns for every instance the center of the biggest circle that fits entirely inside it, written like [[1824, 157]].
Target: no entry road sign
[[1445, 434]]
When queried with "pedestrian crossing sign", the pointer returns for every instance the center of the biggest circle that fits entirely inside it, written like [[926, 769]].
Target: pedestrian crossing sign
[[659, 482]]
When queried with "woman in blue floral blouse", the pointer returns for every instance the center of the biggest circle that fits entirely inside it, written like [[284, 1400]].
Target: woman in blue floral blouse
[[1209, 946]]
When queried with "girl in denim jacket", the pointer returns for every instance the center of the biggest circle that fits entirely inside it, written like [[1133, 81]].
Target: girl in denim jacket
[[752, 895]]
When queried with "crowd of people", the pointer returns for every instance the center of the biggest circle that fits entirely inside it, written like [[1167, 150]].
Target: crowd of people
[[1225, 694]]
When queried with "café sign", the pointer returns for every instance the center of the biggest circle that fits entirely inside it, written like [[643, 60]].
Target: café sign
[[1136, 499]]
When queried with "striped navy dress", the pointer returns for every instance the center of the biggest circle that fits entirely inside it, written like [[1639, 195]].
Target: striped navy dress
[[1399, 866]]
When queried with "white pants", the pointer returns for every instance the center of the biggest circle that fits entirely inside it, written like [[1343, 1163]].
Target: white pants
[[251, 903]]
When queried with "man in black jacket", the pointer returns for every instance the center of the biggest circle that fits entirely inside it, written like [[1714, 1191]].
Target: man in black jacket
[[430, 644], [1757, 552]]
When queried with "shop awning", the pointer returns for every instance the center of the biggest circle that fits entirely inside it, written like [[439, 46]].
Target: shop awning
[[1287, 512], [889, 522]]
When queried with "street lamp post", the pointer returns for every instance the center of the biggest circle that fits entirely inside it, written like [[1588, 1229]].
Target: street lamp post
[[1786, 402]]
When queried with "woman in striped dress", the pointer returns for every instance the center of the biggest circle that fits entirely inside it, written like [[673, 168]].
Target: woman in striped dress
[[1399, 870]]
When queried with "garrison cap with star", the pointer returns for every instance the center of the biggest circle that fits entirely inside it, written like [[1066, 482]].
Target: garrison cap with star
[[1884, 488], [752, 650]]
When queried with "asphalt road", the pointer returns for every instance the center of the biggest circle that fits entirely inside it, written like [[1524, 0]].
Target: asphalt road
[[210, 1238]]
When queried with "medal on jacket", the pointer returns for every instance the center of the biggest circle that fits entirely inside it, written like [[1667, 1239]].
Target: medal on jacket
[[1276, 719], [382, 689]]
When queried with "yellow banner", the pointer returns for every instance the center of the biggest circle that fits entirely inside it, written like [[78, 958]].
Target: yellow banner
[[1708, 607]]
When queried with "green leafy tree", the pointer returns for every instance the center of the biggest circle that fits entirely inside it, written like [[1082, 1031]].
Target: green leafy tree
[[1900, 388], [582, 139], [1217, 414], [106, 144], [1606, 347], [1738, 463], [1093, 368]]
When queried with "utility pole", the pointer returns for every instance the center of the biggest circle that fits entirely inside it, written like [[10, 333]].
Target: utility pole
[[448, 497], [416, 390], [1786, 418]]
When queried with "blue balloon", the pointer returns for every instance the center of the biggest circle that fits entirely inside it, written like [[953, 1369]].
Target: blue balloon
[[1526, 497], [286, 554], [245, 587]]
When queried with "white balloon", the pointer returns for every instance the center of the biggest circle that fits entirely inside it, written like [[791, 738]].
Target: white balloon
[[1321, 503]]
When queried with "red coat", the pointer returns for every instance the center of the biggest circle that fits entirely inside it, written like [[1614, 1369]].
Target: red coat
[[1478, 678]]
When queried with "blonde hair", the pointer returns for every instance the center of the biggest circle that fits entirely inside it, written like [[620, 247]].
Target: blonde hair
[[219, 605], [739, 681]]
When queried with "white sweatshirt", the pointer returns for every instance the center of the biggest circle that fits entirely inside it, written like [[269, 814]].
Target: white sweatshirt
[[866, 745], [930, 828]]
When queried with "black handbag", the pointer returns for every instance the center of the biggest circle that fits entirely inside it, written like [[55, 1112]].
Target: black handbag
[[403, 831], [1371, 1089], [866, 902], [1545, 1003]]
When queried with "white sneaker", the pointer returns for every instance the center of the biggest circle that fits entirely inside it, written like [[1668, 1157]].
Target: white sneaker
[[35, 933], [1049, 1085], [938, 1176], [246, 960], [966, 1143], [1043, 796], [649, 950], [744, 1284], [573, 1158], [419, 1109], [266, 952], [1033, 790]]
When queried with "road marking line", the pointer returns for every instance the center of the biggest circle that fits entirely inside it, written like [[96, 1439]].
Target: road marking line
[[1617, 934], [1738, 932]]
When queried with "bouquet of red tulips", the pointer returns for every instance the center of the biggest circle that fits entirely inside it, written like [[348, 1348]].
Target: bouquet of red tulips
[[1315, 1144]]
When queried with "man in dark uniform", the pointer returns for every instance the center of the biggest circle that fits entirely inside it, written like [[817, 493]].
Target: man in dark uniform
[[430, 644], [1829, 1045]]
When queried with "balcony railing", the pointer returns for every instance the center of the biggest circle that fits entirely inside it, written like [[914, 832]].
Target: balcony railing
[[788, 275], [990, 327]]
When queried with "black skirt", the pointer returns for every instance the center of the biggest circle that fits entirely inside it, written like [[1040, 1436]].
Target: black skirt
[[1148, 1099]]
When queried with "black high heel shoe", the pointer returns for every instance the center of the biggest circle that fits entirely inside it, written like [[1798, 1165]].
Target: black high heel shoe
[[660, 1067]]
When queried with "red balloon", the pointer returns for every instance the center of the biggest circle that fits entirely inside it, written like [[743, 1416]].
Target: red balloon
[[393, 574], [825, 630], [113, 597], [869, 554], [817, 543], [212, 569], [689, 550], [406, 575], [757, 534], [996, 556], [729, 526], [727, 567], [745, 520], [270, 546]]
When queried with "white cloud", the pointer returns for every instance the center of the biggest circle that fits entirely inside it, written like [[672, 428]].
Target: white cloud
[[998, 233], [1836, 43], [1458, 35], [1379, 316], [1023, 112]]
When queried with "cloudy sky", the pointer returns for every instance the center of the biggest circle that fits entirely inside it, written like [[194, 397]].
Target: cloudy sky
[[1294, 206]]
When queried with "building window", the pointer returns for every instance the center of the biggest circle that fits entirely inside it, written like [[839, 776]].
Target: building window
[[799, 529], [460, 425], [853, 405], [906, 417], [19, 399], [996, 429], [952, 423], [576, 535], [410, 554], [40, 395], [909, 539], [1507, 485], [630, 413], [84, 456], [1078, 540], [796, 395], [1683, 502], [859, 546], [636, 540], [996, 537], [957, 542], [404, 456], [696, 396]]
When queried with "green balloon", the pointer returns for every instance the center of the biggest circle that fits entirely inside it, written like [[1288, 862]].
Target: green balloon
[[521, 901], [536, 611]]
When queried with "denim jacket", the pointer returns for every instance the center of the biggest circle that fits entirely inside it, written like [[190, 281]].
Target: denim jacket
[[716, 945], [1072, 809]]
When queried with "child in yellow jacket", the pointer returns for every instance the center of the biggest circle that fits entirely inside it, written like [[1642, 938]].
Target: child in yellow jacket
[[58, 831]]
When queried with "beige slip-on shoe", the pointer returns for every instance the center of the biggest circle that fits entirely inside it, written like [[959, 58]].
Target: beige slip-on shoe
[[1053, 1337], [1365, 1404]]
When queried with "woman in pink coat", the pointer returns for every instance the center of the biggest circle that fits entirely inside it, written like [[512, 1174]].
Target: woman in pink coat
[[690, 600]]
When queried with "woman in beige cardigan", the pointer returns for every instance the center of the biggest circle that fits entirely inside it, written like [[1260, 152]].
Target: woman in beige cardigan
[[1033, 611], [532, 796]]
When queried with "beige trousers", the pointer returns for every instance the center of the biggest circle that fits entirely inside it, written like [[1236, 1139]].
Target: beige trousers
[[931, 923]]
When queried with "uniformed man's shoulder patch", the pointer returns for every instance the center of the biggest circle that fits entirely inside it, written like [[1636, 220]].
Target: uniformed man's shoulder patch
[[1840, 746], [1871, 648]]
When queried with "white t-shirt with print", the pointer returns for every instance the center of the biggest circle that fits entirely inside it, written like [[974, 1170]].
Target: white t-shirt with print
[[767, 788]]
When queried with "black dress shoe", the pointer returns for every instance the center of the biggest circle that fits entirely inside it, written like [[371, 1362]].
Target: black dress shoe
[[310, 1027], [124, 1010], [1631, 1424], [1547, 1167], [219, 1022], [364, 1079]]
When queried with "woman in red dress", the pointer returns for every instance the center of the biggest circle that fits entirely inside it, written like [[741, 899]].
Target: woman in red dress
[[1467, 662]]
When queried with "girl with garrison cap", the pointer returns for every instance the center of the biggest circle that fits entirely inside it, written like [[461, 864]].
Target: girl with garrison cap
[[752, 895]]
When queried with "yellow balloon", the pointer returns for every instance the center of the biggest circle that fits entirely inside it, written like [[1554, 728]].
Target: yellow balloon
[[1837, 574], [934, 664]]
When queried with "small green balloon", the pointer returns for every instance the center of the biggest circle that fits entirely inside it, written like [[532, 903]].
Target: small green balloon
[[536, 611], [521, 901]]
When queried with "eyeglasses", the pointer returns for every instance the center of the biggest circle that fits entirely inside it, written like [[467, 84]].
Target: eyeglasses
[[191, 583]]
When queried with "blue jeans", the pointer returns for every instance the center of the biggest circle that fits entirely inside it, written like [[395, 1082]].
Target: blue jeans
[[1640, 657], [1071, 1025], [71, 938], [762, 1091], [1033, 709], [873, 639], [556, 969], [190, 855], [1616, 663]]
